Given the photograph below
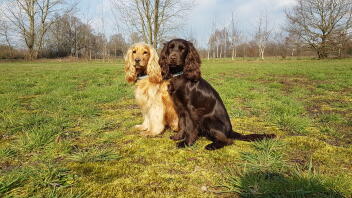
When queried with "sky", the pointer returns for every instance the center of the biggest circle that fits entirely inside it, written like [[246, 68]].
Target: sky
[[100, 15], [246, 14]]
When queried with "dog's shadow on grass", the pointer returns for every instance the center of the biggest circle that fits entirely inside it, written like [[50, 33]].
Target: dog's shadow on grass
[[266, 184]]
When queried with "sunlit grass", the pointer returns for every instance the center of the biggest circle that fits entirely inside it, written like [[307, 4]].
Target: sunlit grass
[[66, 130]]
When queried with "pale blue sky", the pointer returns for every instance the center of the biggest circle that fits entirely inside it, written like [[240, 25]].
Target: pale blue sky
[[199, 22]]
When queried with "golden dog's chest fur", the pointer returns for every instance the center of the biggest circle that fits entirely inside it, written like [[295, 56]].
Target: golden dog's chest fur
[[157, 107]]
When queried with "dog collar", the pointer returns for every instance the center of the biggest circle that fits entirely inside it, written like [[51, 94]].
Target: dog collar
[[177, 74], [146, 76], [142, 77]]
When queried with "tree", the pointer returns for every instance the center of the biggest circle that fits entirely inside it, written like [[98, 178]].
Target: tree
[[69, 36], [218, 42], [262, 35], [117, 45], [135, 38], [235, 37], [211, 40], [5, 34], [152, 19], [32, 19], [281, 42], [316, 21]]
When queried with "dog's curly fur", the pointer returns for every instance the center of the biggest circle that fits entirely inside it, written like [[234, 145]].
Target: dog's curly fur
[[151, 93], [200, 108]]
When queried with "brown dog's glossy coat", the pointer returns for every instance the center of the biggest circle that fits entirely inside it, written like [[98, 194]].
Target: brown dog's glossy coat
[[200, 108]]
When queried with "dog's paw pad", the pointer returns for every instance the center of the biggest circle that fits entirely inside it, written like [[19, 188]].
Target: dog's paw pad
[[146, 133], [181, 144], [175, 137], [210, 147]]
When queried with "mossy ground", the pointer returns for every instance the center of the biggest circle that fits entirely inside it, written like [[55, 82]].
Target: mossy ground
[[66, 130]]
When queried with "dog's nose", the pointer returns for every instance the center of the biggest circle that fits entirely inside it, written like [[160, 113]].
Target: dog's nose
[[137, 60]]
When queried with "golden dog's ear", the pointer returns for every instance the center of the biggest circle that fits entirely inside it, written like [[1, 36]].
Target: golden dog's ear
[[130, 70], [153, 68]]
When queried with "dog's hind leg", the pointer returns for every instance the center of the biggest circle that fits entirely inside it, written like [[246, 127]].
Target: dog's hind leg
[[219, 140]]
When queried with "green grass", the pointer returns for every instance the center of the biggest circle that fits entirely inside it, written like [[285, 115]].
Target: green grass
[[66, 130]]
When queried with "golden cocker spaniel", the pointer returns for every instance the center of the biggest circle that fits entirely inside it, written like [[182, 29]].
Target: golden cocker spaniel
[[142, 68]]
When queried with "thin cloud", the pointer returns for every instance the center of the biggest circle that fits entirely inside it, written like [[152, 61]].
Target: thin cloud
[[246, 14], [199, 21]]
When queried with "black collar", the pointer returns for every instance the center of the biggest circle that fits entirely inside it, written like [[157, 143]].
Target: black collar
[[142, 76], [175, 70]]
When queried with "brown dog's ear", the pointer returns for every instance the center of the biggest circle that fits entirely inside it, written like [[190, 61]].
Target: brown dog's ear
[[192, 64], [163, 61]]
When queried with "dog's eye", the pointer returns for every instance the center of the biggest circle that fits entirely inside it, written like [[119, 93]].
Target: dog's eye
[[172, 46], [134, 51], [181, 48], [145, 52]]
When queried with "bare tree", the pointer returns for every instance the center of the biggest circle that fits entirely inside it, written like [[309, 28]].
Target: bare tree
[[235, 37], [152, 19], [117, 45], [69, 36], [281, 42], [218, 42], [190, 37], [135, 38], [211, 40], [32, 19], [5, 33], [316, 21], [262, 35]]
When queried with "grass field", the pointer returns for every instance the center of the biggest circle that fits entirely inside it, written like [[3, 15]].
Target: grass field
[[66, 130]]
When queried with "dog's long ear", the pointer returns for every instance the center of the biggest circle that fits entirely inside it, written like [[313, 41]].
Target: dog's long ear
[[130, 70], [163, 61], [153, 67], [192, 64]]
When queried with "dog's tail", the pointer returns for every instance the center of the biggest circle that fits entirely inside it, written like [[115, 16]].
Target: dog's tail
[[251, 137]]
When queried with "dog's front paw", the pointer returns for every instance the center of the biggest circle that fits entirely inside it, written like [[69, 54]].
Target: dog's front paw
[[146, 133], [140, 127], [210, 147], [176, 137], [181, 144], [149, 134]]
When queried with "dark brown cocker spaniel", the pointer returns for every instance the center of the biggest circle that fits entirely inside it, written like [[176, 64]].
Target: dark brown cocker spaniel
[[200, 108]]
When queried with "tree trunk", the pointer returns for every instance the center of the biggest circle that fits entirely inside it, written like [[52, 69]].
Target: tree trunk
[[261, 53], [233, 54], [30, 36], [220, 52], [31, 54], [217, 51], [156, 23], [8, 43]]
